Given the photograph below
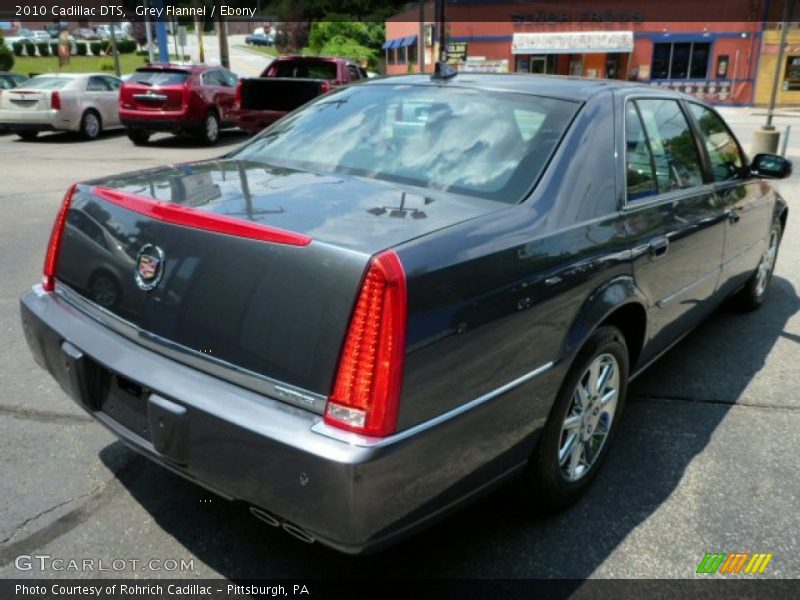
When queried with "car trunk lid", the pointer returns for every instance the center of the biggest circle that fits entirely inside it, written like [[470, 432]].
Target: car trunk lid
[[155, 90]]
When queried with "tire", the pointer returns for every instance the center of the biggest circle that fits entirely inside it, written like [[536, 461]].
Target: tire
[[137, 136], [752, 295], [209, 130], [559, 471], [28, 134], [91, 125]]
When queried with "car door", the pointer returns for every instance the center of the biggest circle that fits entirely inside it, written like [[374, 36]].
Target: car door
[[112, 100], [100, 96], [227, 95], [211, 84], [746, 201], [672, 216]]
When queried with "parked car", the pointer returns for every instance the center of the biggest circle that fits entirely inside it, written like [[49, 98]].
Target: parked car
[[40, 36], [85, 33], [193, 99], [288, 83], [104, 31], [24, 34], [82, 102], [259, 39], [53, 29], [9, 81], [408, 292]]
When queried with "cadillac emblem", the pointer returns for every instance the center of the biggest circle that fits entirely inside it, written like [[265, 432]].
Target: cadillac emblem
[[149, 267]]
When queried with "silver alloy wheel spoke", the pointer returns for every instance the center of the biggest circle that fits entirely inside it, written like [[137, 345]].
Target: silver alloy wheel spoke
[[589, 417], [764, 271]]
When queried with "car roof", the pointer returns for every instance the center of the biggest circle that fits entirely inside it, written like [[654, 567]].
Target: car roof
[[193, 68], [556, 86]]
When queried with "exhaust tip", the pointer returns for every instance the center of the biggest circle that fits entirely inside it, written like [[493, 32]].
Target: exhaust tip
[[297, 532], [263, 515]]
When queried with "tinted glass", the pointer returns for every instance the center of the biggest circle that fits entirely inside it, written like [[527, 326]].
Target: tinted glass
[[5, 84], [641, 180], [159, 77], [353, 72], [97, 84], [47, 83], [673, 146], [306, 68], [661, 56], [211, 78], [492, 145], [723, 151], [680, 61], [699, 65], [113, 83]]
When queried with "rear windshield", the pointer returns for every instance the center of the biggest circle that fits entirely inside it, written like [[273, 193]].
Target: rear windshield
[[313, 69], [47, 83], [487, 144], [159, 77]]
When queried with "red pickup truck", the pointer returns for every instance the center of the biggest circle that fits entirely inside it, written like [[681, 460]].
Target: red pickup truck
[[288, 83]]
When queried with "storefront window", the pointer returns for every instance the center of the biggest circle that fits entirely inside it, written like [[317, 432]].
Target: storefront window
[[791, 77], [412, 53], [390, 57], [401, 56], [685, 60]]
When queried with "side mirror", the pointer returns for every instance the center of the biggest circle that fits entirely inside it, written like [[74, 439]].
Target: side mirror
[[771, 166]]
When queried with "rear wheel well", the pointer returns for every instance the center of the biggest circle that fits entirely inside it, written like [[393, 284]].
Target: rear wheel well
[[631, 320]]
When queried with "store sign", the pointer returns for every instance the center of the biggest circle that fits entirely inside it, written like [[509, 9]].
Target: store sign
[[573, 42], [479, 64], [456, 52], [580, 16]]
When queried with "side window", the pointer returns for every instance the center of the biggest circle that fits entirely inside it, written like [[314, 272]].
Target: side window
[[640, 176], [677, 161], [97, 84], [229, 78], [113, 83], [353, 73], [5, 84], [211, 78], [726, 158]]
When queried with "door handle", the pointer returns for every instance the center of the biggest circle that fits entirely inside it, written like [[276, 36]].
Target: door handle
[[658, 247], [733, 216]]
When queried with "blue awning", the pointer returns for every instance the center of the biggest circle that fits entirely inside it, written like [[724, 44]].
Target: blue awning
[[409, 41], [387, 44], [396, 43]]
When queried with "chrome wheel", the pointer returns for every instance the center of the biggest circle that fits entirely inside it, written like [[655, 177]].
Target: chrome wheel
[[767, 264], [91, 125], [589, 417], [212, 128]]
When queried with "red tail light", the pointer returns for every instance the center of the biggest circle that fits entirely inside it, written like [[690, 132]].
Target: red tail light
[[51, 258], [238, 98], [325, 86], [55, 100], [366, 393]]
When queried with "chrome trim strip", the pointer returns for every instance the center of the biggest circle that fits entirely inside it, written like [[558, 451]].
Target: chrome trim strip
[[677, 294], [256, 382], [363, 441]]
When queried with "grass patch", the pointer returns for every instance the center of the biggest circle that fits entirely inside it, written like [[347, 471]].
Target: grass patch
[[78, 64], [268, 50]]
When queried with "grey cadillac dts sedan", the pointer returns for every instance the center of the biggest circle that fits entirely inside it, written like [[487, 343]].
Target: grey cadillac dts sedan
[[403, 294]]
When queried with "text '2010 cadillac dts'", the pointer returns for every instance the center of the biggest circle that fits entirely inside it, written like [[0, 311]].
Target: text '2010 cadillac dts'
[[404, 293]]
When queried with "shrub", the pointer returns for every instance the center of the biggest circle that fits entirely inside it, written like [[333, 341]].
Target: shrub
[[17, 47], [80, 48], [30, 49], [44, 48], [96, 48], [54, 48], [6, 56], [126, 46]]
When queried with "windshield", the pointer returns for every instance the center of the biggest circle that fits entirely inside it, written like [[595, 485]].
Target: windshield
[[159, 77], [473, 142], [47, 83], [320, 69]]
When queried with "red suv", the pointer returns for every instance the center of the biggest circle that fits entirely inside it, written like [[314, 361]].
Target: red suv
[[196, 99]]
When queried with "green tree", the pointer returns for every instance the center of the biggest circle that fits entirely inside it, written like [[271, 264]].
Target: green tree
[[6, 56]]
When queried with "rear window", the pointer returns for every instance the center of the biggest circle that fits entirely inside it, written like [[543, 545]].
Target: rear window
[[47, 83], [159, 77], [471, 142], [319, 69]]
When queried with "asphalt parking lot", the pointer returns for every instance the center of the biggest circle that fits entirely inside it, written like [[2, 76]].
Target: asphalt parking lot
[[705, 460]]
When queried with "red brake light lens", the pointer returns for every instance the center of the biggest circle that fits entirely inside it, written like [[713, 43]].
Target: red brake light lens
[[51, 258], [366, 393], [55, 101], [325, 86], [238, 96]]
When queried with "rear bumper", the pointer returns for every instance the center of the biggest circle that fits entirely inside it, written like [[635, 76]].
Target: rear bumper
[[350, 493], [253, 121], [158, 121], [35, 120]]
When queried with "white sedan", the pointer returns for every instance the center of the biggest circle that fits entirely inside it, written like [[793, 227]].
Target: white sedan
[[84, 102]]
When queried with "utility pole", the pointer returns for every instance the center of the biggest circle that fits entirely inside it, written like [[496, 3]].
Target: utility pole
[[422, 36], [114, 49], [766, 139], [198, 25], [224, 57]]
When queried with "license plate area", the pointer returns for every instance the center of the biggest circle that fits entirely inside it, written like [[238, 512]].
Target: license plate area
[[126, 403]]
